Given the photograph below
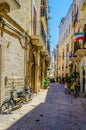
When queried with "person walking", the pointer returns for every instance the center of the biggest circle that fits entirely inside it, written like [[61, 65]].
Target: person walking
[[77, 89], [66, 88], [72, 88]]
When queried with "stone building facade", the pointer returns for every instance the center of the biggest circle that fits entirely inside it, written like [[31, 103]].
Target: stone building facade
[[77, 49], [64, 45], [23, 53]]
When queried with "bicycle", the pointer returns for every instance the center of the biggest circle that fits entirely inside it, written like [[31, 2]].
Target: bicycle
[[11, 104], [30, 92], [25, 95]]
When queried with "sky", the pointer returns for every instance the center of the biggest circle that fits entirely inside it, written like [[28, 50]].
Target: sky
[[58, 10]]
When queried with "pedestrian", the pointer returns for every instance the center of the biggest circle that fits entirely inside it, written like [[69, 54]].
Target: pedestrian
[[59, 80], [69, 85], [77, 88], [66, 88], [72, 88]]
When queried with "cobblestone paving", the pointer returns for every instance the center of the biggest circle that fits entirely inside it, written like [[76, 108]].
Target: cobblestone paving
[[49, 110]]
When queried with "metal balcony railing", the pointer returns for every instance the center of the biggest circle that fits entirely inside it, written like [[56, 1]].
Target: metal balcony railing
[[48, 48], [78, 46], [44, 12], [75, 19], [38, 30]]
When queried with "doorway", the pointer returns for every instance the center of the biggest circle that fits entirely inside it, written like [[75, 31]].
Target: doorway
[[0, 70], [83, 81], [33, 73]]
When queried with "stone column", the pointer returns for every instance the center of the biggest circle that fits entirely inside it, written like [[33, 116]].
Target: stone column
[[42, 85], [28, 78], [39, 79], [43, 72], [36, 79]]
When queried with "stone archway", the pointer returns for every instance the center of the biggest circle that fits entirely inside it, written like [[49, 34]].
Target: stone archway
[[75, 72], [32, 82], [33, 68]]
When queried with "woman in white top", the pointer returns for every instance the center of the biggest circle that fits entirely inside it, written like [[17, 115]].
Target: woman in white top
[[66, 87]]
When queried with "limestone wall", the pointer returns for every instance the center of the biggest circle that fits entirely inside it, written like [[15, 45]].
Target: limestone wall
[[13, 55], [12, 65]]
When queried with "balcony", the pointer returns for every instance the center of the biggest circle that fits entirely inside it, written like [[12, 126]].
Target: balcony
[[75, 19], [72, 57], [79, 49], [43, 12], [44, 15], [83, 6], [72, 60], [11, 4], [39, 33], [48, 47], [47, 52], [42, 6], [4, 8]]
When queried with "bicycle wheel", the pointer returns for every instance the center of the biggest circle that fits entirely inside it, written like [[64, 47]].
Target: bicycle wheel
[[6, 108]]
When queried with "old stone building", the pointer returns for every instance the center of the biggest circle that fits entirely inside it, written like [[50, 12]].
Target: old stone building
[[77, 49], [24, 47], [64, 45]]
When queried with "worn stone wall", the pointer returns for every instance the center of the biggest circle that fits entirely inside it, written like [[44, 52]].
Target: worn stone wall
[[21, 15], [13, 55], [12, 65]]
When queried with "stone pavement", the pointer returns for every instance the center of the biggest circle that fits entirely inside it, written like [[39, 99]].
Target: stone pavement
[[49, 110]]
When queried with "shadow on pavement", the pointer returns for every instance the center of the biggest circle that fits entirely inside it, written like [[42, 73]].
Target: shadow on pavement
[[38, 117], [56, 113]]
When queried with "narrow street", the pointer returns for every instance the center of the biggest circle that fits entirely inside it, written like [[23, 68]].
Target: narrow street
[[49, 110]]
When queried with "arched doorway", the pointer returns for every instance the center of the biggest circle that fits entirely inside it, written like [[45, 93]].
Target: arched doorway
[[33, 68], [33, 74]]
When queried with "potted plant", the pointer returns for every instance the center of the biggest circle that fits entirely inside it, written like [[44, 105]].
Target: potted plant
[[46, 83]]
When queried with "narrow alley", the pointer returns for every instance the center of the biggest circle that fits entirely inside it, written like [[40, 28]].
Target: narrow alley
[[50, 109]]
